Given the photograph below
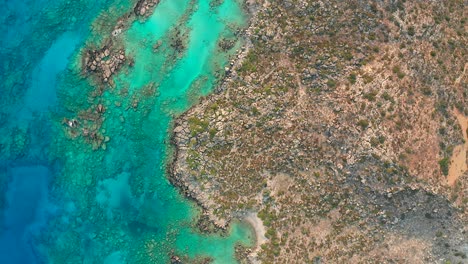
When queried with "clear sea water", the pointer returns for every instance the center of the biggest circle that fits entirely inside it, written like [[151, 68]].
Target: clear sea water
[[60, 200]]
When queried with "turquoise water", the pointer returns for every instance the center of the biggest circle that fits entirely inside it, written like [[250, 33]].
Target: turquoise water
[[68, 199]]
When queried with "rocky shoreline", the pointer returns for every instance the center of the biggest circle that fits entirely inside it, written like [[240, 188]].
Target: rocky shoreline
[[180, 134], [179, 140], [101, 63], [333, 135]]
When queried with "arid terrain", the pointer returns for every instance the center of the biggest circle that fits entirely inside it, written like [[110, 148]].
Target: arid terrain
[[343, 128]]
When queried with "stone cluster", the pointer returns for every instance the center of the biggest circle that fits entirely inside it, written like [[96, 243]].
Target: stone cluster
[[145, 7], [104, 62]]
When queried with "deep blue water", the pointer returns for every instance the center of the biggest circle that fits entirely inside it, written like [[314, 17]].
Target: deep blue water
[[26, 213], [37, 40]]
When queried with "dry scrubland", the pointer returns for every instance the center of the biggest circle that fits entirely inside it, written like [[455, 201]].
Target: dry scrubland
[[338, 130]]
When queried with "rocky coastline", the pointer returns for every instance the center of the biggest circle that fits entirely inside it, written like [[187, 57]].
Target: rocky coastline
[[102, 62], [333, 136], [208, 222]]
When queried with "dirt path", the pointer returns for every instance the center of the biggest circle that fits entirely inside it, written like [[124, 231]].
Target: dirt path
[[458, 164]]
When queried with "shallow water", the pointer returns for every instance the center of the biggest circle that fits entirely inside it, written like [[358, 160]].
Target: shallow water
[[65, 200]]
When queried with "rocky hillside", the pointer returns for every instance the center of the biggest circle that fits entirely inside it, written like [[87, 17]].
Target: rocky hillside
[[342, 129]]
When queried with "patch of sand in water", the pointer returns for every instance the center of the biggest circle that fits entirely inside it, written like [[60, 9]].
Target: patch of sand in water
[[458, 164]]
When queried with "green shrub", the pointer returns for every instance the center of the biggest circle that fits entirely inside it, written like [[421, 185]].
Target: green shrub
[[363, 123], [374, 142], [331, 83], [249, 64], [197, 125], [352, 78], [426, 91], [348, 56], [255, 111], [444, 165], [370, 95], [386, 96], [367, 78], [213, 132], [398, 72]]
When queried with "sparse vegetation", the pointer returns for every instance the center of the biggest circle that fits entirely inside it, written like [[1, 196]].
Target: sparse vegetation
[[361, 131], [398, 72], [197, 125]]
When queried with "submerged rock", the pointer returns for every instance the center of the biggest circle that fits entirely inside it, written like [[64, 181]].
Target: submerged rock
[[143, 7], [103, 63]]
